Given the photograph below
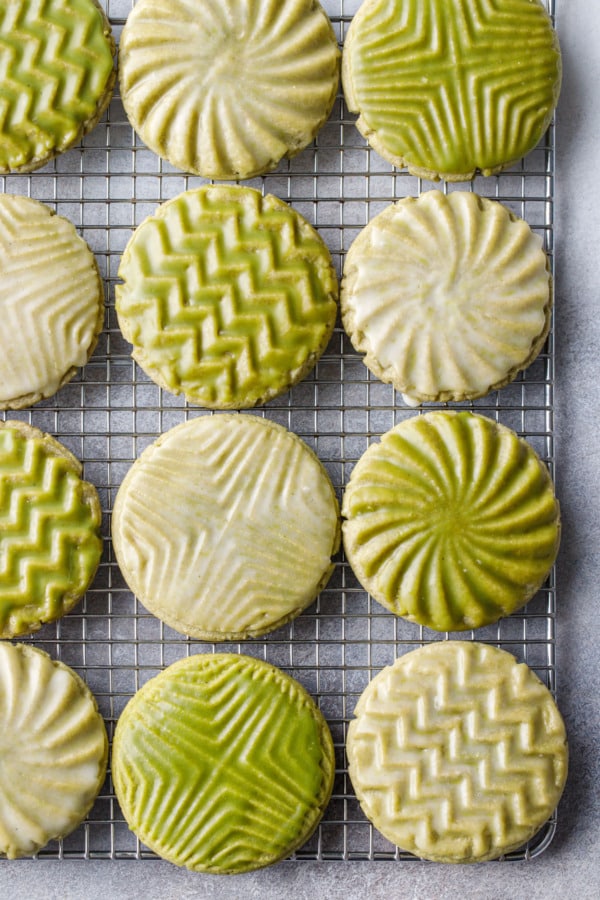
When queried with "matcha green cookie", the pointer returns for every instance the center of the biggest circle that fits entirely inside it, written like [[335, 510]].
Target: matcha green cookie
[[451, 521], [229, 297], [226, 90], [53, 749], [457, 753], [222, 764], [450, 87], [50, 543], [56, 77], [449, 296], [226, 526]]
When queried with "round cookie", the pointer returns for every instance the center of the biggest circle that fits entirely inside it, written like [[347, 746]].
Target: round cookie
[[226, 90], [50, 543], [451, 521], [229, 297], [56, 59], [451, 87], [449, 296], [457, 753], [53, 748], [51, 301], [226, 526], [222, 764]]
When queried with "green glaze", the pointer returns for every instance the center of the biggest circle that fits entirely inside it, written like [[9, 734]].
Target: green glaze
[[222, 764], [56, 59], [50, 544]]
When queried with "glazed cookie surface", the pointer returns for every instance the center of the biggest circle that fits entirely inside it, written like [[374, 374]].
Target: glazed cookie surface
[[51, 301], [50, 543], [451, 521], [457, 753], [450, 87], [227, 89], [57, 77], [226, 526], [53, 748], [229, 297], [449, 296], [222, 764]]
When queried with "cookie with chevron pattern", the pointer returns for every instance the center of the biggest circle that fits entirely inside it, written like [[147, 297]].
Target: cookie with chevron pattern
[[53, 747], [228, 297], [56, 77], [51, 301], [449, 296], [451, 521], [50, 543], [226, 88], [451, 87], [222, 764], [457, 753], [226, 526]]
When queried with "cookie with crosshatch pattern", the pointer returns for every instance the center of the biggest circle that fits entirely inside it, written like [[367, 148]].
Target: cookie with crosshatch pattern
[[457, 753], [452, 87], [223, 764], [228, 297]]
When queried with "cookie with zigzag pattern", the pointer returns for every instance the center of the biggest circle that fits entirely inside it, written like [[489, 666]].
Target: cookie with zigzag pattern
[[457, 753], [58, 75], [451, 87], [228, 297], [50, 542], [222, 764]]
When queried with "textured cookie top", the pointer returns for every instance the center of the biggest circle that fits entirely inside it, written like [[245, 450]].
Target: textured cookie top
[[222, 764], [50, 543], [448, 87], [53, 749], [56, 77], [451, 521], [51, 301], [229, 297], [448, 296], [225, 527], [226, 89], [457, 753]]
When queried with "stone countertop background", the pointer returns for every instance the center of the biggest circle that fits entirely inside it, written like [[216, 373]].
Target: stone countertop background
[[571, 865]]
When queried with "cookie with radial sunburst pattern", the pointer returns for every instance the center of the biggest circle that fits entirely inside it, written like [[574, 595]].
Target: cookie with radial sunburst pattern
[[448, 296], [451, 521], [53, 748], [226, 526], [226, 90], [457, 753], [222, 764], [450, 87]]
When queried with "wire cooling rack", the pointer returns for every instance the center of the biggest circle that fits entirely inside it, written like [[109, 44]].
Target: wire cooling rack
[[110, 412]]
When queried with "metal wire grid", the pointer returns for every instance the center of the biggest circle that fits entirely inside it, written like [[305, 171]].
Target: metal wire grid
[[111, 412]]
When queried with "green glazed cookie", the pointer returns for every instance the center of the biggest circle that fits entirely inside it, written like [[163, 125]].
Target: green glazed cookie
[[226, 90], [222, 764], [226, 526], [450, 87], [50, 543], [53, 749], [449, 296], [451, 521], [229, 297], [56, 77], [457, 754]]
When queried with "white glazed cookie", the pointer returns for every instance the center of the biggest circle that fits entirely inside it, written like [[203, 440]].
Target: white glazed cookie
[[51, 301], [448, 296], [225, 527], [457, 752], [227, 88], [53, 749]]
